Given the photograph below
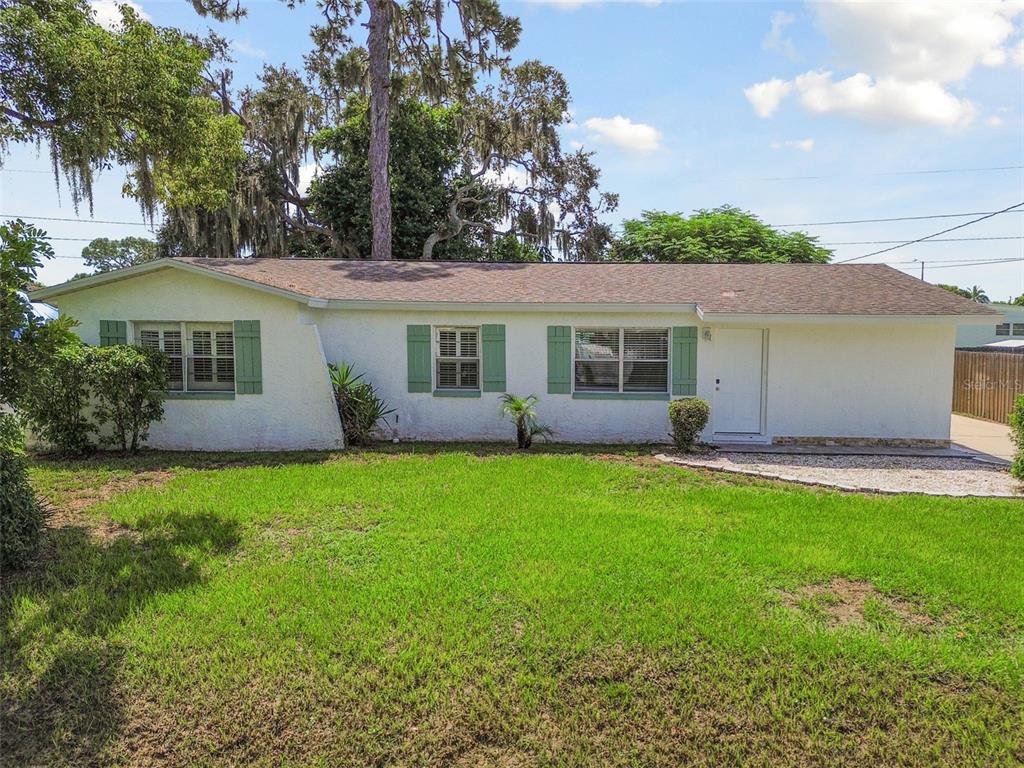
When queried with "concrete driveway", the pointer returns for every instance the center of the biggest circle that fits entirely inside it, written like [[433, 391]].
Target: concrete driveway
[[986, 437]]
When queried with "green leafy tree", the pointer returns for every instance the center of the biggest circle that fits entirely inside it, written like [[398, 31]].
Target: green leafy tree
[[56, 399], [719, 235], [128, 384], [21, 515], [425, 155], [963, 292], [1019, 301], [103, 254], [134, 96], [26, 342]]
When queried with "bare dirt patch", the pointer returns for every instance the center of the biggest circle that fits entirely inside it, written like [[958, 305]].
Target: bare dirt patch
[[847, 602], [67, 512]]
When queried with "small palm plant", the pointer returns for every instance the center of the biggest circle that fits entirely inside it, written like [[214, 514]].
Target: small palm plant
[[523, 411], [358, 404]]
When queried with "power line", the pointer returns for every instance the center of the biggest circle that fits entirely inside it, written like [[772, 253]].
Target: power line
[[893, 173], [974, 263], [936, 240], [896, 218], [76, 221], [934, 234]]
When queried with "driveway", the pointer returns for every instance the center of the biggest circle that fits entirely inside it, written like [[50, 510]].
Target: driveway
[[983, 436]]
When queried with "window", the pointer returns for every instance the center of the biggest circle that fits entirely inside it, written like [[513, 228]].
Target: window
[[206, 360], [458, 358], [1018, 329], [166, 338], [621, 360], [1003, 329]]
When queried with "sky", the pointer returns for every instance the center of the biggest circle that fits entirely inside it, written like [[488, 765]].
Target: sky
[[802, 113]]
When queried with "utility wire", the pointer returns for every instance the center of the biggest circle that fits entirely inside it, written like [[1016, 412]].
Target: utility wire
[[76, 221], [897, 218], [934, 234], [934, 240]]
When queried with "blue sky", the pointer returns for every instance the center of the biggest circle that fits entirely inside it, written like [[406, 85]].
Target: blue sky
[[692, 105]]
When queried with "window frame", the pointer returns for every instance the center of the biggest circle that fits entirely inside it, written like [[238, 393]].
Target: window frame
[[621, 360], [1000, 329], [1017, 329], [185, 329], [458, 358]]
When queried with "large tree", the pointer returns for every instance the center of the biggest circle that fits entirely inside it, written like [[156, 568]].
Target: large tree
[[724, 234], [467, 178], [103, 254], [26, 341], [132, 96], [437, 47]]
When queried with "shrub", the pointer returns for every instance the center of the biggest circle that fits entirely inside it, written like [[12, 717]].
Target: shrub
[[523, 411], [1017, 433], [21, 516], [358, 404], [129, 384], [688, 417], [55, 401]]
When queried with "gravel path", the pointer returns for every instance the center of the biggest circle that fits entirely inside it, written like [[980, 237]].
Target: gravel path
[[886, 474]]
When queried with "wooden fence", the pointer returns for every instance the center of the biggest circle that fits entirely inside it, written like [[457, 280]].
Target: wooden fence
[[985, 384]]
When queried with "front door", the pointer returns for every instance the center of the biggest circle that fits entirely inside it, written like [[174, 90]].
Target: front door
[[738, 369]]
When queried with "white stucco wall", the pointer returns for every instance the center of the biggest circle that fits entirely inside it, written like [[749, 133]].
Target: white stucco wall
[[375, 342], [876, 379], [296, 409]]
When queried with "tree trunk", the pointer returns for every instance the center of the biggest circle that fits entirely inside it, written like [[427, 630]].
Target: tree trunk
[[381, 12]]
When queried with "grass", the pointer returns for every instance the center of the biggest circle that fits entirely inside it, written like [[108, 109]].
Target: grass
[[425, 607]]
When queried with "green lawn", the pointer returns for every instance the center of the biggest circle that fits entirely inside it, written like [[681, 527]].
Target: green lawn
[[452, 608]]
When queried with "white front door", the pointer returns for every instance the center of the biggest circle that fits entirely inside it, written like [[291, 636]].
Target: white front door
[[738, 369]]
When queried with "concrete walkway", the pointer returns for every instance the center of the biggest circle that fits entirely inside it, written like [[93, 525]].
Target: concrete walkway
[[985, 437]]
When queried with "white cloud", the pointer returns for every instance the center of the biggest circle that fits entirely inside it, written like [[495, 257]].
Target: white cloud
[[774, 40], [248, 49], [804, 145], [624, 133], [906, 57], [994, 121], [765, 97], [108, 12], [923, 40], [575, 144], [884, 101]]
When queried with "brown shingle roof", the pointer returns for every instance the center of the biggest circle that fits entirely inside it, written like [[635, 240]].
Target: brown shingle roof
[[844, 289]]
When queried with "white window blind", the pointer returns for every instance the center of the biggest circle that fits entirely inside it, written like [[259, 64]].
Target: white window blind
[[458, 358], [621, 360], [204, 362], [167, 339]]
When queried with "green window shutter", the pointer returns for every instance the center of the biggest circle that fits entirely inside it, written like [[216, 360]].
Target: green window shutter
[[493, 338], [248, 358], [418, 345], [113, 332], [559, 359], [684, 360]]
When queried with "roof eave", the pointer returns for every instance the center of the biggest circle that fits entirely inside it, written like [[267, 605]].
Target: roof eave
[[116, 275]]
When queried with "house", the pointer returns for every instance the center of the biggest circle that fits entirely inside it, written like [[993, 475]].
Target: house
[[783, 352], [1009, 326]]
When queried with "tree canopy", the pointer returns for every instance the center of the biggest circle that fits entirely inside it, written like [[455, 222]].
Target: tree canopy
[[134, 96], [718, 235], [26, 341], [963, 292], [103, 254]]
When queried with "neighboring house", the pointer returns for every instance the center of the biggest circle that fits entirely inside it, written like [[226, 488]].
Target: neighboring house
[[1009, 326], [783, 352]]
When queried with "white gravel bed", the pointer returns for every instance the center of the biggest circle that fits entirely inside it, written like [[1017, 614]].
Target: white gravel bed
[[873, 474]]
